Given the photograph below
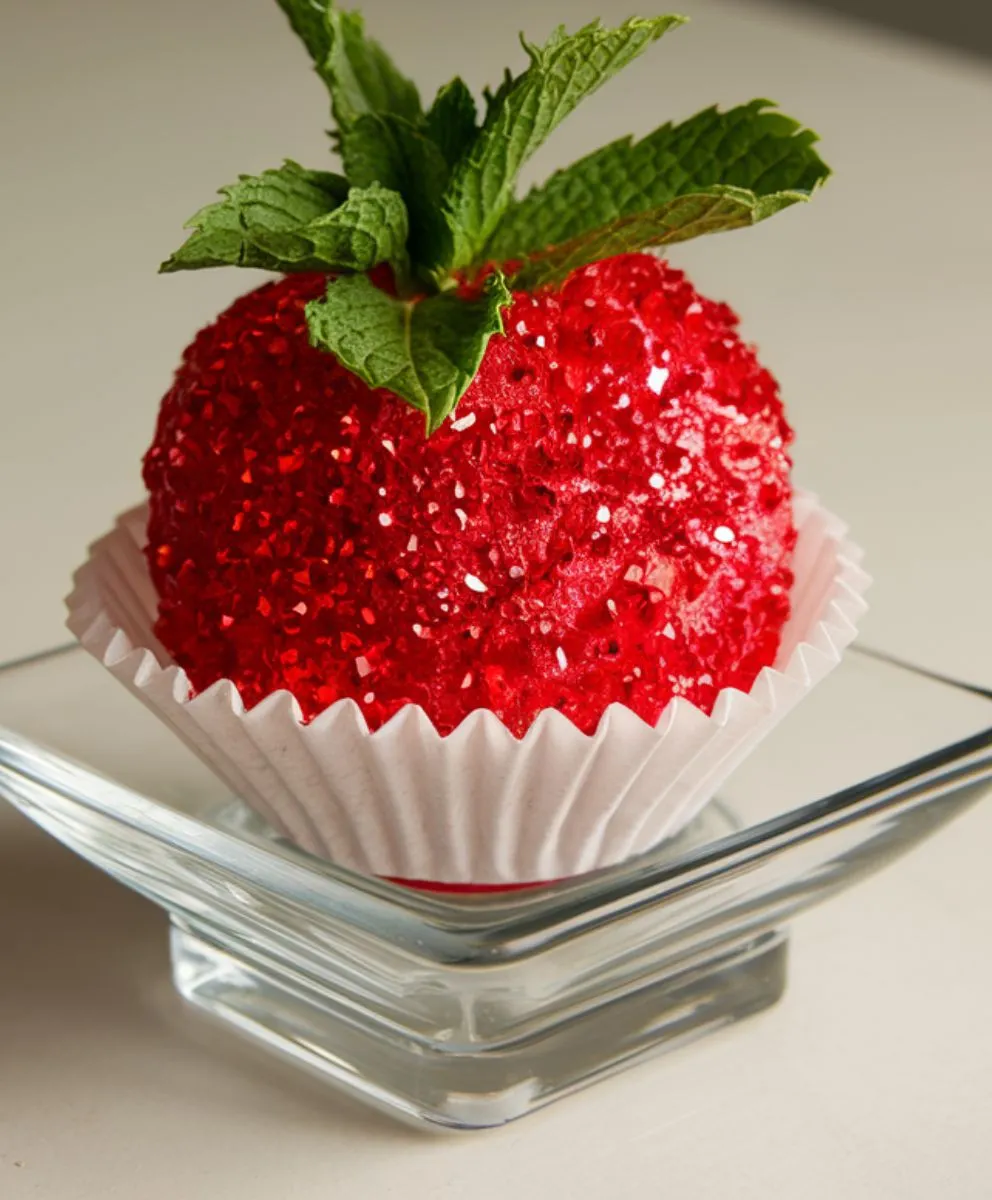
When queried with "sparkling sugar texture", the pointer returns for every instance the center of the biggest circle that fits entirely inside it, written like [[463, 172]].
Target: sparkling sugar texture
[[607, 519]]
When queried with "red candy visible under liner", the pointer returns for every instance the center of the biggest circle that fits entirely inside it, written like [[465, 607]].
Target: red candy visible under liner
[[606, 518]]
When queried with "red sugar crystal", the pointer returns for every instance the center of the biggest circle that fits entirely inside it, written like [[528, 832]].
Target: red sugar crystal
[[606, 518]]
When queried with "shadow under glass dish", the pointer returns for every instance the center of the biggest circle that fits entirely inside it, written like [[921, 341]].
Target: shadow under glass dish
[[469, 1011]]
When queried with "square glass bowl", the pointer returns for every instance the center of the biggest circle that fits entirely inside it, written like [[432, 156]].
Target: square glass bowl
[[467, 1011]]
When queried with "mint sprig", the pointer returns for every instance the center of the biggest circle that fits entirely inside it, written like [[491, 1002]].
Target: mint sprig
[[432, 193], [426, 351]]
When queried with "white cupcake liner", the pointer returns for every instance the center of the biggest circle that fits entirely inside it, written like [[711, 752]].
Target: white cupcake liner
[[479, 805]]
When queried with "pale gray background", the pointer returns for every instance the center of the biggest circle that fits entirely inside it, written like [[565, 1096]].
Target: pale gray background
[[963, 24]]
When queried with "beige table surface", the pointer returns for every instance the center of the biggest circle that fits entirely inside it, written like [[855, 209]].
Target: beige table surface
[[874, 1078]]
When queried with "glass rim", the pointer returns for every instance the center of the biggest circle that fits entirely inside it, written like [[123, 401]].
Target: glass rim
[[497, 917]]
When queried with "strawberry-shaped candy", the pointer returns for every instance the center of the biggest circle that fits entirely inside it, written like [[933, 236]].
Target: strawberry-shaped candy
[[477, 451]]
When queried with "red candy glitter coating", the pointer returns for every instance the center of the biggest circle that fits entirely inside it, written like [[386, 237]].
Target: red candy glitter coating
[[606, 518]]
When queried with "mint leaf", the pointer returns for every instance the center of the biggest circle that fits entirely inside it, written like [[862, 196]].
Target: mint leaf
[[362, 76], [716, 171], [384, 148], [495, 99], [715, 211], [426, 351], [268, 206], [371, 227], [309, 22], [522, 114], [291, 219], [451, 121]]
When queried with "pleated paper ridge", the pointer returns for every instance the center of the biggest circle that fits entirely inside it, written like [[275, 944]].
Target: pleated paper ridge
[[477, 805]]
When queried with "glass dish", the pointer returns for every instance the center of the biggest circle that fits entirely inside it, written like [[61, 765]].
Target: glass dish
[[467, 1011]]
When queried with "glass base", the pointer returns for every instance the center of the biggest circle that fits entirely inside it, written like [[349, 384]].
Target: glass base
[[467, 1011], [482, 1083]]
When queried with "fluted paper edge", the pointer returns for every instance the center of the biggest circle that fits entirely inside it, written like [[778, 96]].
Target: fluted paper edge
[[477, 805]]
